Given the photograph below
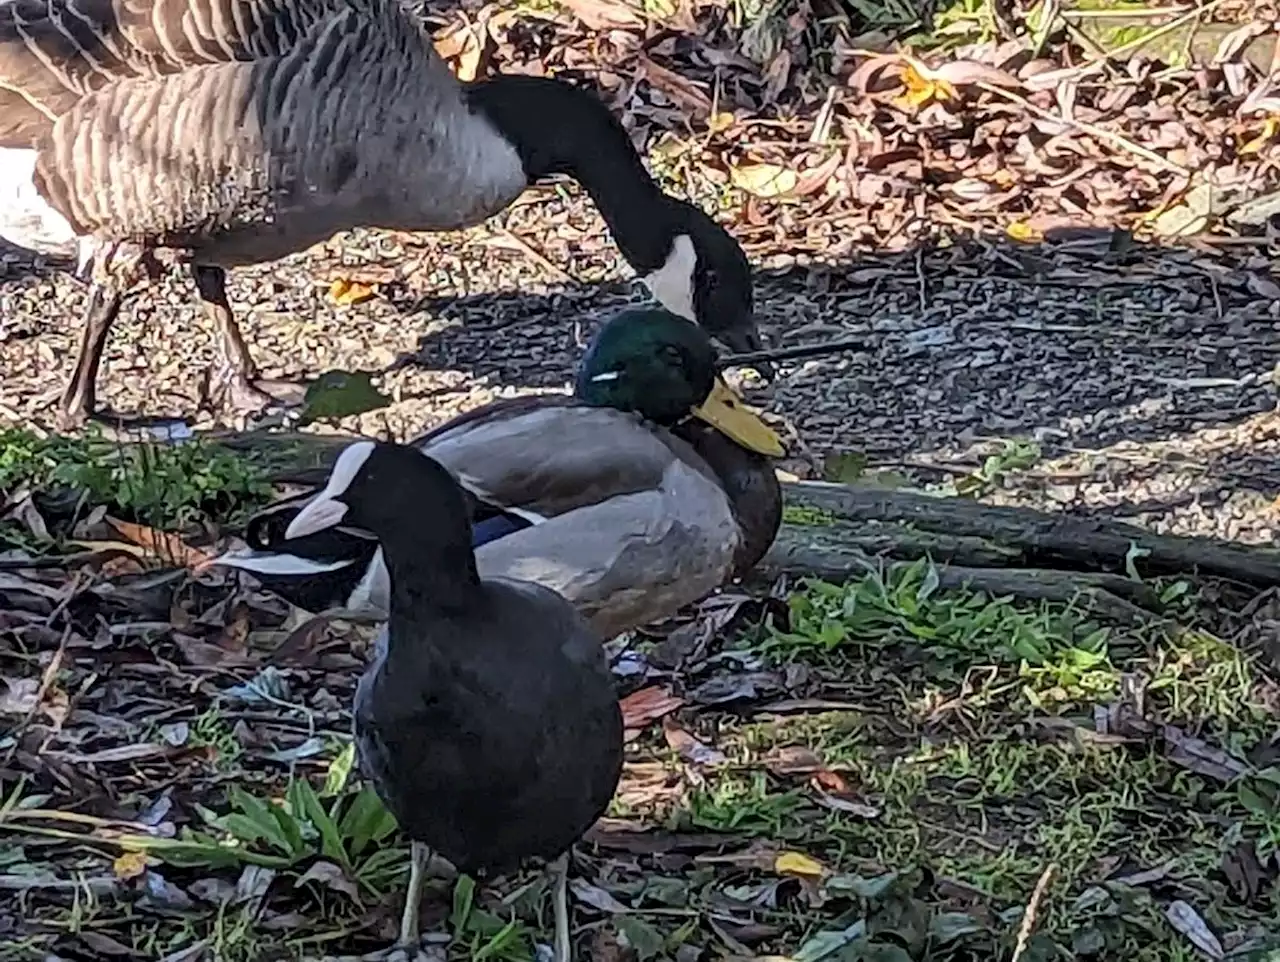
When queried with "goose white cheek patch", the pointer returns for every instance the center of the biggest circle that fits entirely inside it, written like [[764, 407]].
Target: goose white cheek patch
[[672, 283]]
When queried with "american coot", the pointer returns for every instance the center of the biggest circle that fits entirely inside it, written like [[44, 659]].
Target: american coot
[[645, 491], [218, 133], [488, 720]]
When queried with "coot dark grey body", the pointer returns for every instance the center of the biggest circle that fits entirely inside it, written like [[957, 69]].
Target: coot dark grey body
[[488, 720], [491, 739]]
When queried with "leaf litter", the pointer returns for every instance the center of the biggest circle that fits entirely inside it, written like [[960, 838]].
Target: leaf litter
[[175, 741]]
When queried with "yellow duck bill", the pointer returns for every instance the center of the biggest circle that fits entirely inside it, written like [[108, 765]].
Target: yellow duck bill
[[729, 414]]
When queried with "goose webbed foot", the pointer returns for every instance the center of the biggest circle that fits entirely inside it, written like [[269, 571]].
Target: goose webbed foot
[[246, 395], [240, 387]]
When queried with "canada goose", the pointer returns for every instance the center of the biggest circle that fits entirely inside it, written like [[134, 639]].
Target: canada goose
[[488, 720], [141, 134]]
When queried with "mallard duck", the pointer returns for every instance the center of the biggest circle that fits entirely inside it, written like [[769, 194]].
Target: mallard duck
[[137, 134], [487, 722], [647, 489]]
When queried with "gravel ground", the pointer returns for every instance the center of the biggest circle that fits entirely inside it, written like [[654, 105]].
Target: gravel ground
[[1145, 377]]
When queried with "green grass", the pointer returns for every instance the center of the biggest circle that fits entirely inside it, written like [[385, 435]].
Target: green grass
[[972, 742], [161, 485], [955, 759]]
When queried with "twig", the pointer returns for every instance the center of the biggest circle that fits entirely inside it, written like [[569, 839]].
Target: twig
[[791, 353], [1032, 910], [1192, 14], [46, 682], [536, 255], [1100, 132]]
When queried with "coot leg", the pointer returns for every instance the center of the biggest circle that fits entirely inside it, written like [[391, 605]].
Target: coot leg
[[560, 902], [419, 859]]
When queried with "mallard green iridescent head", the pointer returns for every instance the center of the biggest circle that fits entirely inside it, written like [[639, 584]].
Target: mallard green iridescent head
[[663, 367]]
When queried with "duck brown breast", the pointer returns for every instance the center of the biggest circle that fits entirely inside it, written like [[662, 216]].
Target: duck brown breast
[[358, 124]]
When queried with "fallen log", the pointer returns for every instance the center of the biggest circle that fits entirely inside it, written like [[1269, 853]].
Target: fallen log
[[1033, 538], [837, 532]]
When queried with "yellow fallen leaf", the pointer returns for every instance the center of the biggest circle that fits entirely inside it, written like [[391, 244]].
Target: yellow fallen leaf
[[720, 121], [797, 863], [347, 292], [1003, 178], [1270, 127], [130, 865], [1020, 230], [764, 180], [922, 88]]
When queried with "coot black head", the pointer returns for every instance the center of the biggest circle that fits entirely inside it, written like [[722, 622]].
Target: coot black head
[[417, 512]]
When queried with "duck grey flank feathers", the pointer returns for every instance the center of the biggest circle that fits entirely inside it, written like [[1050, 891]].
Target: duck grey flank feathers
[[487, 722], [643, 492], [136, 134]]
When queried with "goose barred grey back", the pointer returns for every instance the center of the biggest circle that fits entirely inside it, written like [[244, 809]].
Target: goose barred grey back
[[82, 45], [348, 119], [359, 122], [228, 132]]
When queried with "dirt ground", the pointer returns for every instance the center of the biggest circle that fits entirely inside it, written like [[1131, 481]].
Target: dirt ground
[[1062, 269]]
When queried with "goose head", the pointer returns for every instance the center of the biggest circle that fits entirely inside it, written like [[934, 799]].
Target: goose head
[[704, 277], [691, 265]]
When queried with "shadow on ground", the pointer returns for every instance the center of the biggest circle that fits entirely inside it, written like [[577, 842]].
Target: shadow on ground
[[986, 339]]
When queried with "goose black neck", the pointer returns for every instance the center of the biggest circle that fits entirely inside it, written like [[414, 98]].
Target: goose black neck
[[558, 128]]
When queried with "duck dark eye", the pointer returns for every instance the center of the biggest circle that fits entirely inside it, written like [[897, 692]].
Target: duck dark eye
[[672, 355]]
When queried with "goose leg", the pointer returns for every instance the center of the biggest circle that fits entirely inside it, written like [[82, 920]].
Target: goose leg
[[79, 398], [560, 905], [244, 390], [420, 858]]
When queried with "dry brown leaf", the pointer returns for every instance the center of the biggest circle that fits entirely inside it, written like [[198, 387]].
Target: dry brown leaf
[[793, 760], [201, 654], [814, 178], [961, 72], [463, 49], [129, 864], [602, 14], [1024, 232], [169, 548], [922, 88], [764, 180], [330, 876], [864, 79], [689, 747], [1270, 127], [683, 91], [647, 705], [799, 864]]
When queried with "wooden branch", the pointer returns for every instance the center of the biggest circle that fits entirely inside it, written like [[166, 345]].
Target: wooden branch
[[996, 549], [830, 553], [1039, 539]]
